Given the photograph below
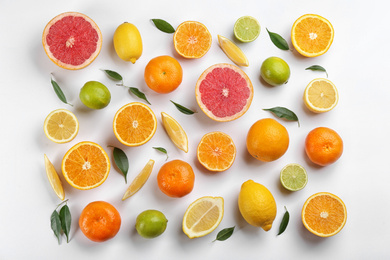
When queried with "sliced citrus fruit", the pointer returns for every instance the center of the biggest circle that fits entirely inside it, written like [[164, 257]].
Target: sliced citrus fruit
[[85, 166], [324, 214], [134, 124], [139, 181], [72, 40], [54, 179], [293, 177], [320, 95], [203, 216], [246, 29], [61, 126], [175, 132], [312, 35], [233, 51], [192, 39], [224, 92], [216, 151]]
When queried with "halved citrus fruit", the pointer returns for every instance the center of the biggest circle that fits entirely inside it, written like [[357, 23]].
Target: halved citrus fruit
[[134, 124], [216, 151], [320, 95], [139, 181], [246, 29], [192, 39], [54, 179], [324, 214], [72, 40], [61, 126], [175, 132], [86, 165], [224, 92], [233, 51], [312, 35], [203, 216], [293, 177]]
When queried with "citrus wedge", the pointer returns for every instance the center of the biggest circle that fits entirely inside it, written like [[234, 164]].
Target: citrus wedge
[[54, 179], [293, 177], [320, 95], [139, 181], [246, 29], [61, 126], [203, 216], [233, 51], [175, 132]]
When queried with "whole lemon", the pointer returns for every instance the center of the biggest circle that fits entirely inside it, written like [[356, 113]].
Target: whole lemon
[[128, 42], [257, 205], [275, 71]]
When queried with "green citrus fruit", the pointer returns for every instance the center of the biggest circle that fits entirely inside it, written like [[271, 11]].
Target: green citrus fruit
[[293, 177], [246, 29], [95, 95], [151, 223], [275, 71]]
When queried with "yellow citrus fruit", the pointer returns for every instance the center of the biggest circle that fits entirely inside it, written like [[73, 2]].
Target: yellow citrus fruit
[[61, 126], [320, 95], [140, 180], [257, 205], [128, 42], [175, 132], [233, 52], [203, 216], [54, 179]]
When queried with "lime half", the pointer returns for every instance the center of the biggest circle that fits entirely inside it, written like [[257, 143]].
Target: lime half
[[246, 29], [293, 177]]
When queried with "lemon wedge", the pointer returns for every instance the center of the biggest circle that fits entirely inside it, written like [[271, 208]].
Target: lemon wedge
[[54, 179], [175, 132], [140, 180], [233, 51]]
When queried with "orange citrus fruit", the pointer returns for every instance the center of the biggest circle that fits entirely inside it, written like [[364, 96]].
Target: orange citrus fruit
[[72, 40], [324, 214], [192, 39], [312, 35], [85, 166], [216, 151], [163, 74], [323, 146], [134, 124], [267, 140], [224, 92], [100, 221], [176, 178]]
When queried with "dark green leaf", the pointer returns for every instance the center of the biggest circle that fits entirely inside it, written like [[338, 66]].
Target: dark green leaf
[[121, 161], [317, 67], [56, 224], [224, 234], [283, 112], [163, 150], [278, 40], [139, 94], [59, 92], [113, 74], [183, 109], [66, 220], [163, 26], [284, 223]]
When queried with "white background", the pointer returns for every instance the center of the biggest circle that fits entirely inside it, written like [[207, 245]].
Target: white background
[[357, 63]]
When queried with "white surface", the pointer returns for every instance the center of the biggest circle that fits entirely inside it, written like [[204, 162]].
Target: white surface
[[357, 63]]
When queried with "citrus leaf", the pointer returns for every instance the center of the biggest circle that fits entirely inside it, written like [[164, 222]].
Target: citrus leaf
[[121, 161], [283, 112], [139, 94], [317, 67], [163, 26], [59, 92], [163, 150], [66, 220], [278, 40], [113, 74], [183, 109], [224, 234], [284, 223], [56, 224]]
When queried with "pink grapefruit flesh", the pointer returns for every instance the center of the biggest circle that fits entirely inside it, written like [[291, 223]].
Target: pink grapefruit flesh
[[224, 92], [72, 40]]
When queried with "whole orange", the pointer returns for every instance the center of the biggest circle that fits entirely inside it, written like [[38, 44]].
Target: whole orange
[[99, 221], [163, 74], [323, 146], [267, 140], [176, 178]]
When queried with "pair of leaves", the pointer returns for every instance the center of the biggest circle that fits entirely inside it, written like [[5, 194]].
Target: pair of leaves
[[163, 26], [59, 92], [283, 112], [61, 222]]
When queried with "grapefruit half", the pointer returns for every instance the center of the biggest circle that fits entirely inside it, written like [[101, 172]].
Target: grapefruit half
[[72, 40], [224, 92]]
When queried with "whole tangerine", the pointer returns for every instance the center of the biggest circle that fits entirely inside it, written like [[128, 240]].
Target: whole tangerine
[[176, 178], [323, 146], [100, 221], [163, 74]]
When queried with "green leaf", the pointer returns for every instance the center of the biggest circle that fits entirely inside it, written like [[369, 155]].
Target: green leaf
[[121, 161], [113, 74], [284, 223], [224, 234], [66, 220], [163, 150], [278, 40], [59, 92], [56, 224], [183, 109], [163, 26], [139, 94], [283, 112], [317, 67]]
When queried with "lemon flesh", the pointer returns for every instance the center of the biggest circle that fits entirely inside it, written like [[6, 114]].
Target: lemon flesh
[[61, 126], [320, 95], [54, 179], [233, 51], [175, 132], [140, 180]]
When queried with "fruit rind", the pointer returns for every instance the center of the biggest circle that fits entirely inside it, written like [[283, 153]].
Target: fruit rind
[[128, 42], [54, 179], [233, 52]]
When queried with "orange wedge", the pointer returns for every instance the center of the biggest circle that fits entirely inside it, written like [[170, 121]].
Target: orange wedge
[[54, 179], [140, 180], [85, 166]]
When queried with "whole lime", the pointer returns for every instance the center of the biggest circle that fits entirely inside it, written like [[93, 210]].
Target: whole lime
[[95, 95], [275, 71], [151, 223]]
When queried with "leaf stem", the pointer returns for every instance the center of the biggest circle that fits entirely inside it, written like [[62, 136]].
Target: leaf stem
[[65, 201]]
